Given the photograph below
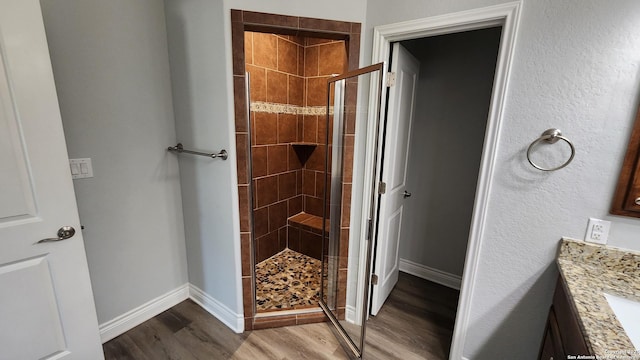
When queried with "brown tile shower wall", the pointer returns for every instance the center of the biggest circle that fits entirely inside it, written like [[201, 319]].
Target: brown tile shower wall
[[247, 20], [288, 70], [322, 59], [275, 70]]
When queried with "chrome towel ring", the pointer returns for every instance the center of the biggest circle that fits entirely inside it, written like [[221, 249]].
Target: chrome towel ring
[[551, 136]]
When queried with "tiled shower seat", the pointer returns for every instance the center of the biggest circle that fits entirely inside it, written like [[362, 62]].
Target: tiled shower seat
[[305, 234]]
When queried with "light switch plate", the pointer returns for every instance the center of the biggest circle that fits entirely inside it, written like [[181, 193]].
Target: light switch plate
[[81, 168]]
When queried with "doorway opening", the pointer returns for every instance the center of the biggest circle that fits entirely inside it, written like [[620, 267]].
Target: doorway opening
[[288, 125], [505, 16], [438, 106], [283, 237]]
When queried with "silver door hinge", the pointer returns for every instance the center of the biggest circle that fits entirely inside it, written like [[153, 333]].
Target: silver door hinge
[[391, 79], [369, 229], [374, 279], [382, 187]]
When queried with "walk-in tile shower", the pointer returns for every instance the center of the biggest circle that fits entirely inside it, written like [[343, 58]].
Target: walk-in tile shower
[[288, 127]]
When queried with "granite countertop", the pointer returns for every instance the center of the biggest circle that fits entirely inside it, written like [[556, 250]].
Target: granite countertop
[[589, 270]]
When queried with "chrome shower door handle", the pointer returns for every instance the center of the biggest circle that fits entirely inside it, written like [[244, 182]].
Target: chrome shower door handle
[[406, 194], [64, 233]]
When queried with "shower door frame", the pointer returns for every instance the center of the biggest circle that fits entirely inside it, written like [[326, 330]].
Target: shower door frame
[[242, 21], [364, 270]]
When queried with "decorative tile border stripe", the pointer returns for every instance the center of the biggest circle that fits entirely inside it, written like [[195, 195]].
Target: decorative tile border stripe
[[274, 108]]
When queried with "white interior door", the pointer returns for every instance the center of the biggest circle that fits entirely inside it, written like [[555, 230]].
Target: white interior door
[[46, 303], [394, 173]]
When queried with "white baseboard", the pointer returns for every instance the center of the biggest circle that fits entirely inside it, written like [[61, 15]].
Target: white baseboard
[[214, 307], [146, 311], [142, 313], [431, 274]]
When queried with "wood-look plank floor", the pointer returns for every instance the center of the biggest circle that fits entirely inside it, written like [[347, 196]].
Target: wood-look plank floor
[[416, 322]]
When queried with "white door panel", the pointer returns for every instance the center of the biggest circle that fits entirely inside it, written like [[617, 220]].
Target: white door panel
[[17, 201], [391, 250], [394, 173], [46, 304], [401, 129], [31, 293]]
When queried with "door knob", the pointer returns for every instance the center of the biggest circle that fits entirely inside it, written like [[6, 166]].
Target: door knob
[[64, 233], [637, 201], [406, 194]]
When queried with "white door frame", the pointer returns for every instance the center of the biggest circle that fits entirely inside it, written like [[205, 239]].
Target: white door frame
[[505, 15]]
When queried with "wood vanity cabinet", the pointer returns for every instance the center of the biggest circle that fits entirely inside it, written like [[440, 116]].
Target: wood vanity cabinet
[[562, 335]]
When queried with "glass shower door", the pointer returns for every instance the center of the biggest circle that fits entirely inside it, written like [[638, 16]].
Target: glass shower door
[[353, 104]]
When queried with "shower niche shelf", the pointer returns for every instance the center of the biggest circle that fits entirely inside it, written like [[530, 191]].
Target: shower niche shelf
[[304, 150]]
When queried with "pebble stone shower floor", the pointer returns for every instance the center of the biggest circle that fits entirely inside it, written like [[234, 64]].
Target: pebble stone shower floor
[[286, 281]]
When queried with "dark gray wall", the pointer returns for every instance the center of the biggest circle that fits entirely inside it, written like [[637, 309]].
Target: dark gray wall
[[454, 92]]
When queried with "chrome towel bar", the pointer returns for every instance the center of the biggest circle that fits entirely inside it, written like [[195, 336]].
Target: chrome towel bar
[[180, 149], [551, 136]]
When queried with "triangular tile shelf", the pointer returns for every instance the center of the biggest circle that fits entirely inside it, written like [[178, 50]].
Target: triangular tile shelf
[[303, 150]]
